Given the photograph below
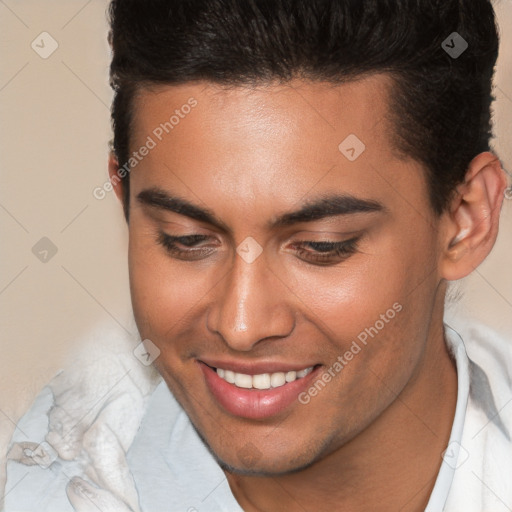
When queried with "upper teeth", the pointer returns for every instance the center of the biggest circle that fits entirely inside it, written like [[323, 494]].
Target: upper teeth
[[262, 381]]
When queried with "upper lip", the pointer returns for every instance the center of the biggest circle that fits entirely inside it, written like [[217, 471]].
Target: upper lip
[[255, 367]]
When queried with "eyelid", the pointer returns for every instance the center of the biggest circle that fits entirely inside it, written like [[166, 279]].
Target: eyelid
[[331, 235], [329, 243], [183, 239], [172, 221], [200, 237], [186, 253], [340, 239], [336, 250]]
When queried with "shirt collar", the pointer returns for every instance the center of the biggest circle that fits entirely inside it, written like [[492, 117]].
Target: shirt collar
[[444, 479]]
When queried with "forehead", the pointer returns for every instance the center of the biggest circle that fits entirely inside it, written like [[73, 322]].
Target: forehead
[[269, 108], [271, 142]]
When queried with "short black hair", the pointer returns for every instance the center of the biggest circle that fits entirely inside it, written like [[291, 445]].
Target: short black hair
[[440, 103]]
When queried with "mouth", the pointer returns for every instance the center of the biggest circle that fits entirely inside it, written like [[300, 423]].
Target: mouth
[[262, 380], [258, 395]]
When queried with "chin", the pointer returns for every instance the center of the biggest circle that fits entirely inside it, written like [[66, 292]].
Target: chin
[[267, 468], [250, 461]]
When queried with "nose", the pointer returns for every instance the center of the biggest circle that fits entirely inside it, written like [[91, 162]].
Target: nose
[[250, 306]]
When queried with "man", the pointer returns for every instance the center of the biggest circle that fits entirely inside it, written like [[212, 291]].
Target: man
[[301, 180]]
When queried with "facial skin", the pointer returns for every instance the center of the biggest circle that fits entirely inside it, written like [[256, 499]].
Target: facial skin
[[372, 438]]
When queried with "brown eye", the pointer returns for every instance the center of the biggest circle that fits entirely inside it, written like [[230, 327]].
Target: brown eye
[[326, 252], [187, 247]]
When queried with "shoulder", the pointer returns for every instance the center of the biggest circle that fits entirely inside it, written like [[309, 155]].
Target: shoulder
[[482, 472], [98, 402], [490, 373], [172, 465], [490, 353], [34, 476]]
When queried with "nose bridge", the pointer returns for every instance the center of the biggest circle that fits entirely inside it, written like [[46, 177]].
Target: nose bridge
[[248, 307]]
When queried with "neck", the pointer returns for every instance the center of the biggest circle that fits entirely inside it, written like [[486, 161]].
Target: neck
[[391, 465]]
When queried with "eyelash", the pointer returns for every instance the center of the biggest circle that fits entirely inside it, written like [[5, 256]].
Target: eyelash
[[169, 243], [323, 251]]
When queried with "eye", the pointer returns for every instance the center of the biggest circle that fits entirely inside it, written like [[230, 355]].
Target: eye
[[326, 252], [193, 247], [187, 247]]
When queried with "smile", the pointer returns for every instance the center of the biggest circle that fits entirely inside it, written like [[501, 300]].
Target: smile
[[263, 380], [260, 394]]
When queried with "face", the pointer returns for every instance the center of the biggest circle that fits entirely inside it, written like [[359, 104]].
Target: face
[[266, 240]]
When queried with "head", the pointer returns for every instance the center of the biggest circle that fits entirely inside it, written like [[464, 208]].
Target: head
[[313, 173]]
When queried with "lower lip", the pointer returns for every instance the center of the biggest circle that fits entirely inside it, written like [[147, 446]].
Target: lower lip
[[254, 403]]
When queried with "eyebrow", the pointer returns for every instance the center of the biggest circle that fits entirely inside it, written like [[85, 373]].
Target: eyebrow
[[328, 206]]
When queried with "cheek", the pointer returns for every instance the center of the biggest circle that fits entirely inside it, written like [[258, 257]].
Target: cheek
[[346, 299], [373, 309], [163, 291], [391, 269]]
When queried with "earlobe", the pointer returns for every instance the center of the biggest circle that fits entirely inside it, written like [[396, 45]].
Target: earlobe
[[474, 217]]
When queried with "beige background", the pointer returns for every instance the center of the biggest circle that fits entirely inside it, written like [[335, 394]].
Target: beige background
[[54, 136]]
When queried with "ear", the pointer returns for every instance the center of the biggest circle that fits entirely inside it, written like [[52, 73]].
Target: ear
[[115, 175], [473, 218]]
